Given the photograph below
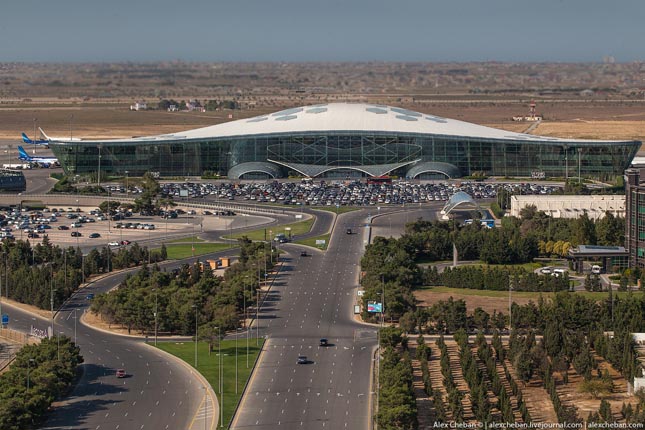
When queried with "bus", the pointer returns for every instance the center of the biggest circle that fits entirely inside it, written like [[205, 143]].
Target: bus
[[379, 180]]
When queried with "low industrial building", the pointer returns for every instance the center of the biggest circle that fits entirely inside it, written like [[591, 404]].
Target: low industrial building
[[611, 258], [12, 180], [594, 206]]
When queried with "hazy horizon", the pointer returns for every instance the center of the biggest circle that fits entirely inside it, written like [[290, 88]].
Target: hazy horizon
[[293, 31]]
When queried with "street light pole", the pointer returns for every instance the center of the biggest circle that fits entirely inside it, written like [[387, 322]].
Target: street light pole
[[237, 333], [75, 325], [510, 307], [156, 313], [31, 360], [195, 306], [35, 138], [99, 172], [221, 379], [257, 315], [51, 294]]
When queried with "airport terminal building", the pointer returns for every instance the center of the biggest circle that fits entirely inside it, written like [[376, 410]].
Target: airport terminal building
[[348, 140]]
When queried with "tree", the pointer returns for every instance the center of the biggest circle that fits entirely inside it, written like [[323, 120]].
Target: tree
[[390, 337], [596, 388], [408, 322], [151, 188], [605, 411], [523, 365], [584, 230], [113, 205], [210, 333]]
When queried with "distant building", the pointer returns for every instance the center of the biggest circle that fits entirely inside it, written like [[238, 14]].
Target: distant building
[[194, 105], [139, 106], [571, 206]]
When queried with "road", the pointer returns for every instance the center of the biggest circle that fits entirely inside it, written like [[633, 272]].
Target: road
[[314, 298], [388, 224], [157, 393]]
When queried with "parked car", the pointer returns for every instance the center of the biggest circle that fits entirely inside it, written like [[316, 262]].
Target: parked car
[[302, 359], [76, 234], [113, 243], [63, 227], [324, 342], [120, 373]]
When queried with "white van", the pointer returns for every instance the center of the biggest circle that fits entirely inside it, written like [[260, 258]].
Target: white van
[[595, 269], [558, 272]]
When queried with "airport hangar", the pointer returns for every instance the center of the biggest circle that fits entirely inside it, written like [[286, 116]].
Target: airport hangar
[[348, 140]]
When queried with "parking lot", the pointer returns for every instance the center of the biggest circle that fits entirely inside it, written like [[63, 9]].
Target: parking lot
[[85, 226], [343, 193]]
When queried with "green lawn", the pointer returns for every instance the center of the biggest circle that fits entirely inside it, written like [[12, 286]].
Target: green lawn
[[340, 210], [529, 267], [523, 294], [312, 241], [297, 228], [186, 240], [184, 250], [208, 366]]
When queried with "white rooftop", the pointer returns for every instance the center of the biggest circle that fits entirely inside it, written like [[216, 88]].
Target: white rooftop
[[353, 117]]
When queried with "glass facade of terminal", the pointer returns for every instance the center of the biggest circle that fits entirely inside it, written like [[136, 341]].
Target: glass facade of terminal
[[635, 218], [305, 153]]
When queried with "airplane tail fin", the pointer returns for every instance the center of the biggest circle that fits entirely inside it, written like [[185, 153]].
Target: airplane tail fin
[[26, 139], [43, 133], [23, 153]]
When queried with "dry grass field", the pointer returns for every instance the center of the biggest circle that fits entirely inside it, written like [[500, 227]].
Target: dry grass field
[[488, 303], [583, 129]]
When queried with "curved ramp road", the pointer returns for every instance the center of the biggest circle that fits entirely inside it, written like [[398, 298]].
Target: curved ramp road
[[157, 393], [314, 299]]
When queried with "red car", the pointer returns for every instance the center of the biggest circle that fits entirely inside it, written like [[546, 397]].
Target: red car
[[125, 242], [120, 373]]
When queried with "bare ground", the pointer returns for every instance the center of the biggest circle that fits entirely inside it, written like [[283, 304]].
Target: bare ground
[[423, 400], [436, 378], [585, 404], [460, 382], [489, 304], [536, 398]]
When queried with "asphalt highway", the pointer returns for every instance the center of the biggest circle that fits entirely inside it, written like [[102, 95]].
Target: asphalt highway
[[313, 298], [156, 394]]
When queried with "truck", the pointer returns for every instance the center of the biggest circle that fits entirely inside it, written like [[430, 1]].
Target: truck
[[17, 166]]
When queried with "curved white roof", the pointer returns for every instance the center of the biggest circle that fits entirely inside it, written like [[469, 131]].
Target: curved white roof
[[356, 117]]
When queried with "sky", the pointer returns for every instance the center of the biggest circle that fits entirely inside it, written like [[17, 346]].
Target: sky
[[323, 30]]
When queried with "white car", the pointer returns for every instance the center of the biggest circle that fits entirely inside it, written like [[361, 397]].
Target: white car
[[113, 243]]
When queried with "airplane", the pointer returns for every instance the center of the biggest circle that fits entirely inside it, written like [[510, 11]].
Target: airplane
[[41, 161], [51, 138], [44, 142]]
